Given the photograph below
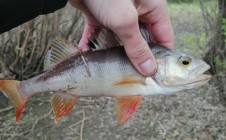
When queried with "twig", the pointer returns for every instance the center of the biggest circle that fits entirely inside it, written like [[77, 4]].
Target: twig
[[73, 125], [164, 130], [6, 109], [82, 125], [82, 121], [5, 69], [36, 122]]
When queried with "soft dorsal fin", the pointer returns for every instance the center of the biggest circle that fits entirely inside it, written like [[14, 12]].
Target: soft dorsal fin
[[60, 49], [62, 104], [126, 107]]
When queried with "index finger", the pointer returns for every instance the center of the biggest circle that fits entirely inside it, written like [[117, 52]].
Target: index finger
[[162, 32], [158, 23]]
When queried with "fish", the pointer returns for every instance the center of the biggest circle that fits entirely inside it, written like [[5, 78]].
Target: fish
[[105, 70]]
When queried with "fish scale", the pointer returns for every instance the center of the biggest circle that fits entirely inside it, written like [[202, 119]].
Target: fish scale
[[111, 64]]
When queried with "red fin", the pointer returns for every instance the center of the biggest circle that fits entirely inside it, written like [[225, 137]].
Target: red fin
[[126, 107], [11, 90], [129, 81], [19, 111], [63, 104]]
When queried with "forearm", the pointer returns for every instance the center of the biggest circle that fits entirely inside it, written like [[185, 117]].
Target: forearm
[[16, 12]]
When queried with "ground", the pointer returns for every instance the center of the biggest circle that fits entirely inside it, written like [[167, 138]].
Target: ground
[[193, 114]]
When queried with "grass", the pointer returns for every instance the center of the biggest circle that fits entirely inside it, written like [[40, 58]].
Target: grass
[[188, 24], [174, 8]]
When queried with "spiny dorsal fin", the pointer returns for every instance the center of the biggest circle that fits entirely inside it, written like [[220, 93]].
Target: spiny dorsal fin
[[126, 107], [63, 104], [104, 39], [145, 33], [60, 49]]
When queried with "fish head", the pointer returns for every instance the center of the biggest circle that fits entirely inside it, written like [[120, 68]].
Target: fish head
[[181, 71]]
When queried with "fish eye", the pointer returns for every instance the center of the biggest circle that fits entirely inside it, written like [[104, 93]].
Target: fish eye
[[185, 61]]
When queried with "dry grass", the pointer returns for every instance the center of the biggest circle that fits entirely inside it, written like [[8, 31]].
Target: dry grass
[[195, 114], [23, 48]]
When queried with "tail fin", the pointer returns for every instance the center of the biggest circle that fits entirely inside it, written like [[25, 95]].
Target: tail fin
[[10, 88]]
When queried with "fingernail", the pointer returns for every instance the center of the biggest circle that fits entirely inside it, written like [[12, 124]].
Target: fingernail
[[147, 67]]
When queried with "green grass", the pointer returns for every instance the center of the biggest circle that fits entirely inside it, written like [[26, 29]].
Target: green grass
[[188, 24], [177, 8]]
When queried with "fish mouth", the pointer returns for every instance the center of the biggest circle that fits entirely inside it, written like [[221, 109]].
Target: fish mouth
[[196, 82], [195, 78], [198, 76], [200, 80]]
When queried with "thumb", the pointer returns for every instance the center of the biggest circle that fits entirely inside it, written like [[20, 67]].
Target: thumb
[[137, 49]]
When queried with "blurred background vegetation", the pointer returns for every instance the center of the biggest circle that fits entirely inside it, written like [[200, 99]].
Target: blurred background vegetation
[[200, 29]]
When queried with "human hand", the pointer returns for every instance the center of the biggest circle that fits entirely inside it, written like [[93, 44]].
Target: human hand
[[123, 17]]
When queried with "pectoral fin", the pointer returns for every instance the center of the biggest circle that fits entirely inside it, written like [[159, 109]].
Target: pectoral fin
[[63, 104], [126, 107]]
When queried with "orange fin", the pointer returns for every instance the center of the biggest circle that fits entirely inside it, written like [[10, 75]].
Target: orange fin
[[63, 104], [129, 81], [126, 107], [10, 88]]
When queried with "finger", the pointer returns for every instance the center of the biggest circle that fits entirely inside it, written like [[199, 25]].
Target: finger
[[159, 24], [87, 32], [91, 24], [79, 4], [162, 32], [140, 55], [136, 47]]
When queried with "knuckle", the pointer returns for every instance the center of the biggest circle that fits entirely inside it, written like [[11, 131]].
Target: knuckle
[[125, 20]]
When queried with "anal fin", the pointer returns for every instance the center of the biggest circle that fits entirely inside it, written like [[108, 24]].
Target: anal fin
[[63, 104], [126, 106]]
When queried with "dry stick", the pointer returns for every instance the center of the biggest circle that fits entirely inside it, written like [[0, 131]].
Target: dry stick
[[36, 122], [31, 56], [73, 125], [82, 125], [24, 44], [18, 37], [12, 135], [5, 69], [73, 25], [164, 130], [6, 109], [32, 128], [41, 100]]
